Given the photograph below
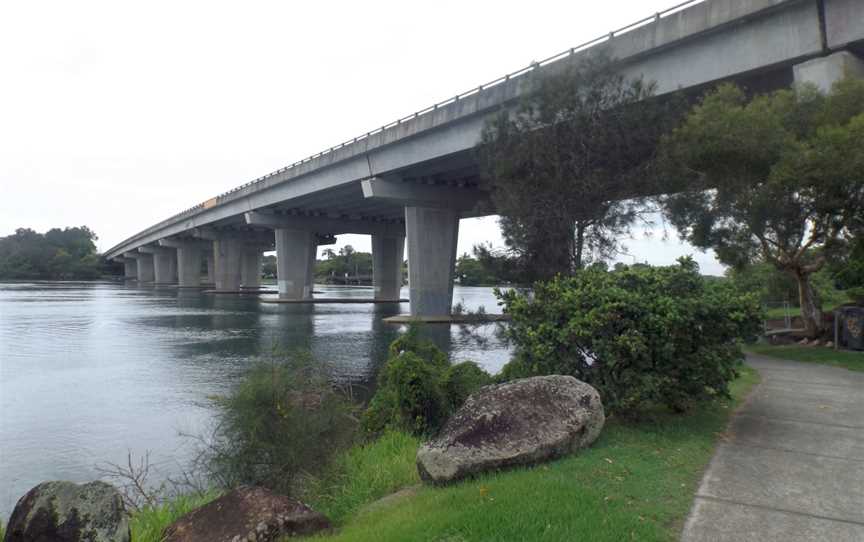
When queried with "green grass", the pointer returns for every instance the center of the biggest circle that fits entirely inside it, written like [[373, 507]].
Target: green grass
[[635, 483], [854, 361], [147, 524]]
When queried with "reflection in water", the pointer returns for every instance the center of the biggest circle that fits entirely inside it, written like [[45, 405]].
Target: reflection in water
[[89, 371]]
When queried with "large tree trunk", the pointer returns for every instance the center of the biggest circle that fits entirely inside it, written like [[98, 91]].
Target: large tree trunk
[[811, 309], [580, 244]]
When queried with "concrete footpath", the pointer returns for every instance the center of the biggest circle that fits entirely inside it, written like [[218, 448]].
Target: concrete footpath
[[791, 467]]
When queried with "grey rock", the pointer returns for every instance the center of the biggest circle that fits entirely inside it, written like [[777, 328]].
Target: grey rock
[[246, 514], [68, 512], [522, 422]]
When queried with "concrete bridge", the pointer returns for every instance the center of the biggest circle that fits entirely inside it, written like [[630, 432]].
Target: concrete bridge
[[416, 177]]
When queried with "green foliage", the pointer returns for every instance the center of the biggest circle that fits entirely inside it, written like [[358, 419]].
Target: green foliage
[[64, 254], [776, 178], [365, 473], [418, 389], [283, 422], [268, 267], [148, 523], [640, 335], [346, 262], [636, 482], [461, 380], [564, 165]]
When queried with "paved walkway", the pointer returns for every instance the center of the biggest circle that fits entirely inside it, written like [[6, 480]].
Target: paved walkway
[[792, 467]]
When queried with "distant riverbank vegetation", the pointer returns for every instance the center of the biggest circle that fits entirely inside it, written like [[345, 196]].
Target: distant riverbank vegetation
[[58, 254]]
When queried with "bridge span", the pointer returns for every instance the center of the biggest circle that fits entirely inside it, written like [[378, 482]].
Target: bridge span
[[416, 177]]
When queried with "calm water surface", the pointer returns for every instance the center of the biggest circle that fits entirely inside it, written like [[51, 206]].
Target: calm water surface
[[92, 370]]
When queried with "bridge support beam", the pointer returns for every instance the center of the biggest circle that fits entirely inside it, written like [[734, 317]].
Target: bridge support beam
[[432, 235], [824, 72], [250, 272], [387, 255], [295, 263]]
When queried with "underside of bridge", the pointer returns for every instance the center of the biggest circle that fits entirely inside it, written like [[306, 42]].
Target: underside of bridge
[[413, 180]]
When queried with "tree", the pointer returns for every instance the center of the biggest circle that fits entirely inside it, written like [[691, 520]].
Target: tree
[[69, 253], [778, 178], [563, 165]]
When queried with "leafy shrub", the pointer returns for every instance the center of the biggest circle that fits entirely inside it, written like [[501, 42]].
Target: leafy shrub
[[639, 334], [418, 389], [283, 422], [461, 380]]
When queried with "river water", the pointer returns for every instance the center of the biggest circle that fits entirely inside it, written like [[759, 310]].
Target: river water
[[90, 371]]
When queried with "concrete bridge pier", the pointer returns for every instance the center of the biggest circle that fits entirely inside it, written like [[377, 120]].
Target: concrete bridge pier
[[164, 263], [295, 263], [189, 258], [387, 253], [144, 265], [250, 271], [227, 256], [432, 234], [827, 70], [211, 267], [130, 267]]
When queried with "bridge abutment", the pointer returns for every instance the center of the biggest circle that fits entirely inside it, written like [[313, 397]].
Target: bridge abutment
[[295, 263], [387, 255], [432, 235]]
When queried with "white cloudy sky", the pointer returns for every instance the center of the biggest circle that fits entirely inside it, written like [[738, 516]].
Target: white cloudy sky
[[117, 114]]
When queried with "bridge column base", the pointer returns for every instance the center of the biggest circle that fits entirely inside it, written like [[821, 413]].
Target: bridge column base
[[164, 263], [432, 235], [387, 253], [227, 254], [824, 72], [189, 266], [211, 268], [295, 263], [250, 274]]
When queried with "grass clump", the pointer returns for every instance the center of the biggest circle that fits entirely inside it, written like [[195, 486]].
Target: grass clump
[[280, 426], [148, 523], [365, 473], [635, 483], [854, 361]]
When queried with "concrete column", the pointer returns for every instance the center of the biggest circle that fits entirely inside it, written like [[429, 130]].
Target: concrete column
[[250, 272], [227, 255], [387, 255], [145, 268], [824, 72], [295, 251], [189, 265], [432, 235], [211, 267], [130, 268], [164, 263], [313, 259]]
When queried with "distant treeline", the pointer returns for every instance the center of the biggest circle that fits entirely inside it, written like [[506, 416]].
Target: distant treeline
[[58, 254]]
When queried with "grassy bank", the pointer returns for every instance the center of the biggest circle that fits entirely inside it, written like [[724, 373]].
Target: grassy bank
[[636, 483], [854, 361], [148, 523]]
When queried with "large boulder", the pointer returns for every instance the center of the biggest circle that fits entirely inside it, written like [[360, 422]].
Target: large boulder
[[518, 423], [246, 514], [67, 512]]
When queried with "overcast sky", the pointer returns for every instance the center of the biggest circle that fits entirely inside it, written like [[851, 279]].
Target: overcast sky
[[116, 114]]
